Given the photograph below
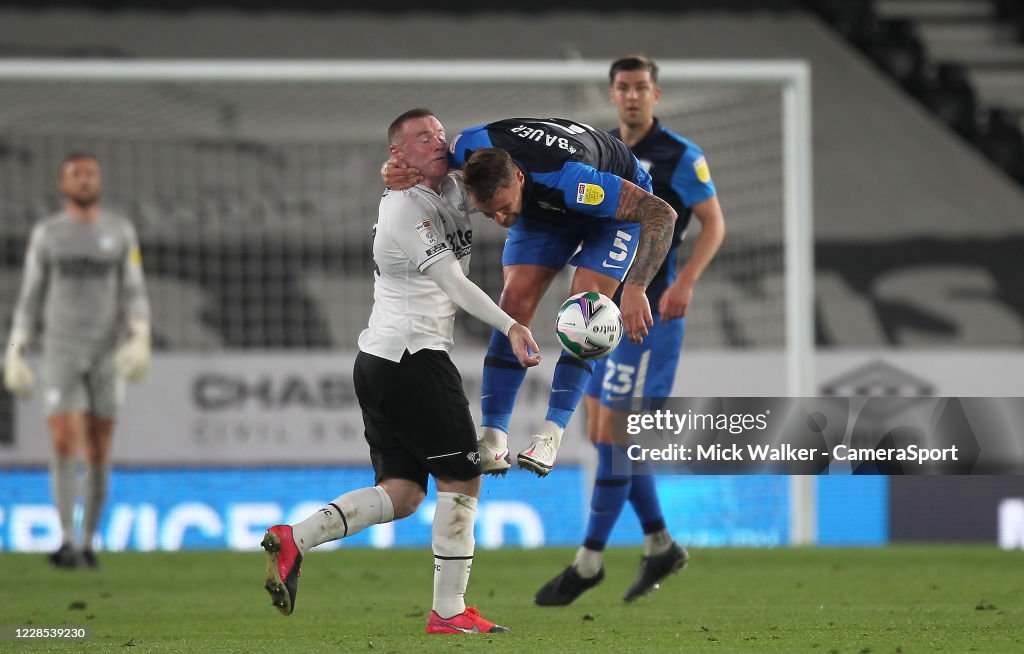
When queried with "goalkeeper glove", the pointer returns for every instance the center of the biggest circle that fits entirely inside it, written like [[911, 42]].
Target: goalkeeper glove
[[132, 359], [18, 377]]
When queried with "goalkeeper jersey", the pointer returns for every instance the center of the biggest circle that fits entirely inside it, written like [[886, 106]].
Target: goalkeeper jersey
[[416, 228], [83, 280], [572, 170]]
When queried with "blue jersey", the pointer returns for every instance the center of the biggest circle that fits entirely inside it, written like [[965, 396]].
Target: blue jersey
[[571, 169], [680, 176]]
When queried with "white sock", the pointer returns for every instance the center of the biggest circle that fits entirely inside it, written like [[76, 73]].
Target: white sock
[[345, 516], [63, 471], [94, 494], [453, 543], [493, 437], [657, 543], [551, 429], [588, 562]]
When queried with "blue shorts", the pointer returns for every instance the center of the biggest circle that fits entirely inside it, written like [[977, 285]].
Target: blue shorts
[[604, 245], [639, 370]]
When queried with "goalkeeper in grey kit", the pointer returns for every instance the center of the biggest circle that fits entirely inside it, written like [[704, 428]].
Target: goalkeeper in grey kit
[[83, 281]]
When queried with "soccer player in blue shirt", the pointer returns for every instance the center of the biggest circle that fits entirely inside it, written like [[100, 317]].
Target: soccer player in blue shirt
[[568, 194], [682, 178]]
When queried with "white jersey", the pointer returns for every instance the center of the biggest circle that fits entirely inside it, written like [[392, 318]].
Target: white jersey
[[415, 229]]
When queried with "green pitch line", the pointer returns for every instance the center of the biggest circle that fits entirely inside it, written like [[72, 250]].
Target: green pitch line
[[899, 599]]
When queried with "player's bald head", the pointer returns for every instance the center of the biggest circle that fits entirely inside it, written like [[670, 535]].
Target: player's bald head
[[395, 129]]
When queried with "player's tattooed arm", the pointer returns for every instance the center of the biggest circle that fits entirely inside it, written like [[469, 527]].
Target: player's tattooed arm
[[656, 218]]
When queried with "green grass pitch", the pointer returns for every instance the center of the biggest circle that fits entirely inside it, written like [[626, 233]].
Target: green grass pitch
[[896, 599]]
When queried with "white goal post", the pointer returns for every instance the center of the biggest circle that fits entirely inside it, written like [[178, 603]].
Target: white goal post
[[791, 79]]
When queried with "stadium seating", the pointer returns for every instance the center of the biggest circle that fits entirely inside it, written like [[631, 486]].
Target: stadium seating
[[1002, 142], [967, 73]]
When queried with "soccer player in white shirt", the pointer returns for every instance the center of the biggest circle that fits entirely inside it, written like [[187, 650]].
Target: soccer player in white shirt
[[83, 280], [414, 407]]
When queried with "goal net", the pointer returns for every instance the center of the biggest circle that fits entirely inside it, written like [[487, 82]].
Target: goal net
[[254, 186]]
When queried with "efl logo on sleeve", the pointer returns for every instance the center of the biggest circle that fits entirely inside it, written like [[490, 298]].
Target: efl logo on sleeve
[[700, 167], [427, 234], [589, 194]]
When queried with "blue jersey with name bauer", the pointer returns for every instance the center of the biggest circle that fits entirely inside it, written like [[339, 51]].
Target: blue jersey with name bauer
[[571, 169]]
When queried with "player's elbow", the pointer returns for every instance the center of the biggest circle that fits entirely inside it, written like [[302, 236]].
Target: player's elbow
[[715, 226], [663, 210], [666, 217]]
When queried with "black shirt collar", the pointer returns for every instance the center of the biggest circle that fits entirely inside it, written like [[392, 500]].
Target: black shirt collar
[[528, 184], [649, 136]]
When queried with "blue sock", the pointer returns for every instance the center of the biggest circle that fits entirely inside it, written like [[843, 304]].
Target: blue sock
[[610, 494], [501, 381], [643, 495], [567, 386]]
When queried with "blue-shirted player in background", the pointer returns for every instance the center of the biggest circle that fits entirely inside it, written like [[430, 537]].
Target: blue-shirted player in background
[[568, 194], [681, 177]]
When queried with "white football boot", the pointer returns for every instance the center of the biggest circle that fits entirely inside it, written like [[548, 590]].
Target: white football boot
[[493, 447], [539, 457]]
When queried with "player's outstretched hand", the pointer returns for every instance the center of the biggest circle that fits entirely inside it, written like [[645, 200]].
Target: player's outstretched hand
[[397, 174], [636, 312], [18, 377], [523, 346]]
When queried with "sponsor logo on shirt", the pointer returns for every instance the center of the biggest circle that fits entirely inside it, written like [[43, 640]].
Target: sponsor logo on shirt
[[84, 267], [589, 194], [440, 247], [700, 166], [135, 256], [460, 242], [427, 234]]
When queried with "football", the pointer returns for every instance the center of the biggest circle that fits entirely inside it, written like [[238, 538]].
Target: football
[[589, 325]]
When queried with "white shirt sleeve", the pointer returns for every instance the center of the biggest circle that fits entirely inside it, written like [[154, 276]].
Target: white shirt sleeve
[[447, 274]]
